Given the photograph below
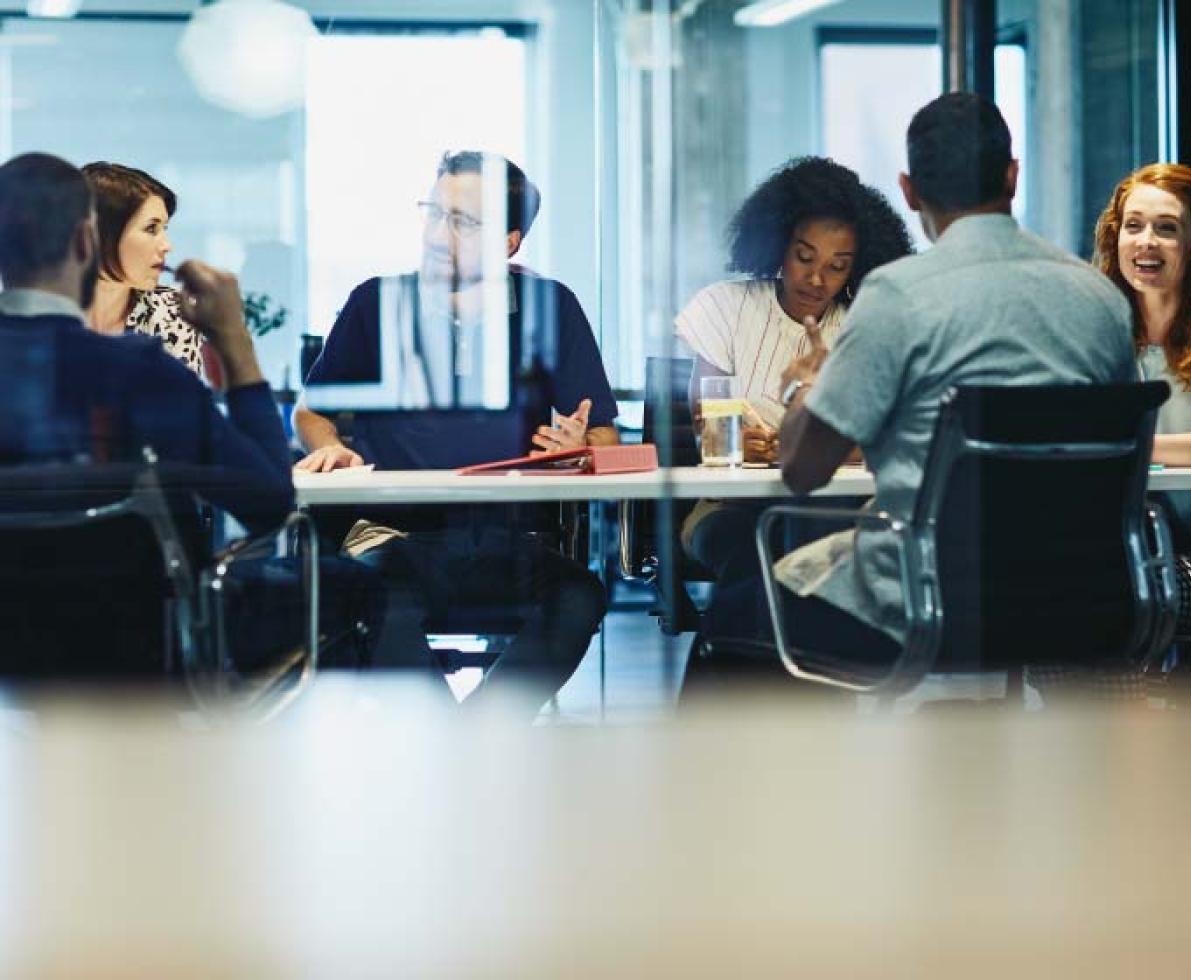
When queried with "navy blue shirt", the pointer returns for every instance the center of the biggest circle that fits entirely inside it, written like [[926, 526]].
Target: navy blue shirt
[[547, 327], [68, 394]]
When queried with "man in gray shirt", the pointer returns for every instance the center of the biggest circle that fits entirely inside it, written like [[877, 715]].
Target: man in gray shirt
[[988, 304]]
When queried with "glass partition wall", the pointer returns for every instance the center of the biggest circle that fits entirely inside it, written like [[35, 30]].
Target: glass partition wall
[[700, 100], [644, 123]]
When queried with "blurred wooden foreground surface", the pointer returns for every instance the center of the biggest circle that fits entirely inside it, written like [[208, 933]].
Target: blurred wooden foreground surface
[[361, 836]]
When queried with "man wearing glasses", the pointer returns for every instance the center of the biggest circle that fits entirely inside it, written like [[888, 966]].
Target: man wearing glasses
[[458, 558], [551, 345]]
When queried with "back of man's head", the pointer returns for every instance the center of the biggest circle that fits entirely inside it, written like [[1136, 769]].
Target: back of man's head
[[958, 149], [42, 200], [522, 198]]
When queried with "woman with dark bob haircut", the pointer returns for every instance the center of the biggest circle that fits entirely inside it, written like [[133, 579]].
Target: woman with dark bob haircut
[[134, 211], [803, 241]]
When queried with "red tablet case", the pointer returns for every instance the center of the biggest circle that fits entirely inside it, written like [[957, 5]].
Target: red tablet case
[[589, 461]]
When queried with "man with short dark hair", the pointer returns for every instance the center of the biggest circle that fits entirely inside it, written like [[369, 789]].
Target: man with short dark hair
[[49, 265], [988, 304], [486, 559]]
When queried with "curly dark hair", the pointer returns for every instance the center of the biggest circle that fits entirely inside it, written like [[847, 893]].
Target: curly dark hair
[[809, 189]]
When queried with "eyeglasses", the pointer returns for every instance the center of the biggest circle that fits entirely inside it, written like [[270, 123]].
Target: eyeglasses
[[459, 222]]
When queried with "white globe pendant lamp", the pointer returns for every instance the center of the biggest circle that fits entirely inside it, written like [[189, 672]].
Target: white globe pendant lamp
[[248, 56]]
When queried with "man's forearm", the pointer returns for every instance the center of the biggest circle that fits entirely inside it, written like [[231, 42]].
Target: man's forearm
[[314, 430], [1173, 449], [811, 450], [603, 435], [240, 364]]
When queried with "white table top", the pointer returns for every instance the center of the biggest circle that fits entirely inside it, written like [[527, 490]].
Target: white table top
[[446, 487], [361, 486]]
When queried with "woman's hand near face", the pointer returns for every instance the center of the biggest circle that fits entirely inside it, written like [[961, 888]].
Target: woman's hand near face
[[806, 367]]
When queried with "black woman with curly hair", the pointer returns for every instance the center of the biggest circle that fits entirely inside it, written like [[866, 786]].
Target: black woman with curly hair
[[803, 241]]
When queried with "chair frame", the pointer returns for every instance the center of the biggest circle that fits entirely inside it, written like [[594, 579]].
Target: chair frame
[[195, 618], [1151, 570]]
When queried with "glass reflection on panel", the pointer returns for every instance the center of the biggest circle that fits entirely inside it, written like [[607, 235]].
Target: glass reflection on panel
[[440, 247]]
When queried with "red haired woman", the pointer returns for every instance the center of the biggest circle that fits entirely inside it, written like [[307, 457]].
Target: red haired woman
[[1143, 240]]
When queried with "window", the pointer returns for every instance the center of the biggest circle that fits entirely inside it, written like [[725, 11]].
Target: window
[[864, 118], [380, 112], [301, 206]]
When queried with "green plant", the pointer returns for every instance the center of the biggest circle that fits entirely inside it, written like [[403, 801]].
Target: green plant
[[262, 314]]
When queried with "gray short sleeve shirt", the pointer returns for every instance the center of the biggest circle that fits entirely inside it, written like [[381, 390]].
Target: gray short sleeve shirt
[[988, 304]]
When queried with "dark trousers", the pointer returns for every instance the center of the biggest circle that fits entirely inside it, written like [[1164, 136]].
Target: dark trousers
[[719, 535], [737, 627], [740, 625], [263, 605], [479, 580]]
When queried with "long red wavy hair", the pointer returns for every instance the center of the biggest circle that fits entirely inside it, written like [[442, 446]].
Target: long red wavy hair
[[1174, 178]]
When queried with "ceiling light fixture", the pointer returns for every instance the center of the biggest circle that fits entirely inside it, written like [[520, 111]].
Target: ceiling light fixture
[[60, 9], [248, 56], [770, 13]]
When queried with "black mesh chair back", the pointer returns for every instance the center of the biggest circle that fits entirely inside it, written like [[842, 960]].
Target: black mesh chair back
[[90, 559], [1031, 542], [1032, 503]]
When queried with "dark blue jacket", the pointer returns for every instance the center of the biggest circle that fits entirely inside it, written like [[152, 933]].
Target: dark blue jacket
[[547, 327], [69, 394]]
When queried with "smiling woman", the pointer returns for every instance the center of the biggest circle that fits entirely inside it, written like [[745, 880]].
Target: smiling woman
[[1142, 244], [133, 211]]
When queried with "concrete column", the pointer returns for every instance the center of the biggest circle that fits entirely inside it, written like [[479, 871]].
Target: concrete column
[[969, 37], [1057, 123]]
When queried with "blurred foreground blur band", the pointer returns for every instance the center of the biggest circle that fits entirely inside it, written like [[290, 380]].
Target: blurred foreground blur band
[[366, 837]]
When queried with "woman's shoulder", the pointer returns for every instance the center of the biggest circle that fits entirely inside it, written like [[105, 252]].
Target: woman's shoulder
[[154, 305], [729, 299], [739, 289]]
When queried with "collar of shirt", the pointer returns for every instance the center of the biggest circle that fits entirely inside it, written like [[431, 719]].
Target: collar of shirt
[[432, 301], [37, 302], [977, 226]]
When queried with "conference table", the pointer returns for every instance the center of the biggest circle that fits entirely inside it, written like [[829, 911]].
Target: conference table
[[362, 485]]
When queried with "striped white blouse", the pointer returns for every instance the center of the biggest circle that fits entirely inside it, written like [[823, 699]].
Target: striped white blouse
[[740, 328]]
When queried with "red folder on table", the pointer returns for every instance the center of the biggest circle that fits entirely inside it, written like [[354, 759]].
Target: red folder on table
[[588, 461]]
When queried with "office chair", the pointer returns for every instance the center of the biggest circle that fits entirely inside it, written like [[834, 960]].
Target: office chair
[[104, 577], [1030, 543]]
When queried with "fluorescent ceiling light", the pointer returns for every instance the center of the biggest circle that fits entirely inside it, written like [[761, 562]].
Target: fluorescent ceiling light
[[53, 8], [770, 13]]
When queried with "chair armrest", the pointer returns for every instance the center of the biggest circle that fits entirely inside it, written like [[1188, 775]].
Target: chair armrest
[[1159, 565], [917, 654], [626, 525], [300, 528]]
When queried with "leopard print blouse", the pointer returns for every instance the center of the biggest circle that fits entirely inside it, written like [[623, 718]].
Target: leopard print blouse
[[156, 313]]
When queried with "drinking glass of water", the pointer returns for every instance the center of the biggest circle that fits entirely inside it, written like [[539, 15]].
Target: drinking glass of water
[[723, 418]]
